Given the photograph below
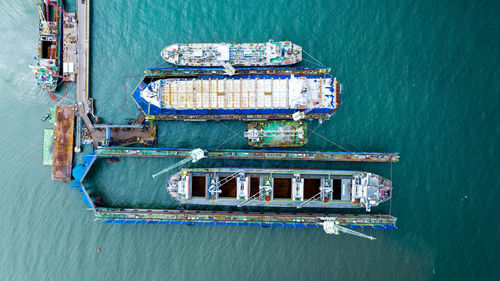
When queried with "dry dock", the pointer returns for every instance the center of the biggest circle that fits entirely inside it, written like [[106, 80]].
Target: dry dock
[[191, 217], [63, 142], [104, 152]]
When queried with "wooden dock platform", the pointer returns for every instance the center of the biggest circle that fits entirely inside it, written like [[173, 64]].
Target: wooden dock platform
[[63, 142]]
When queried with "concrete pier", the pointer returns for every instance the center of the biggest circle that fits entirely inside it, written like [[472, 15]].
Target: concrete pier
[[82, 79]]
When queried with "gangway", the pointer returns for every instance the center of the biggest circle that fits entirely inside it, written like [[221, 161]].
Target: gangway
[[195, 155], [331, 226]]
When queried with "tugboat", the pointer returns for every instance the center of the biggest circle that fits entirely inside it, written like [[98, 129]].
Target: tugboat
[[235, 54], [276, 133], [279, 188]]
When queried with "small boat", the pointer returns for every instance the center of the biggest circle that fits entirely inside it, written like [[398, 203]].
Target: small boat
[[45, 117], [276, 133], [235, 54], [279, 188]]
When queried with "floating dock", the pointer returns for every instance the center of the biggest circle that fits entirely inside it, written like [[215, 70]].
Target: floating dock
[[107, 152], [155, 216], [159, 73], [63, 142]]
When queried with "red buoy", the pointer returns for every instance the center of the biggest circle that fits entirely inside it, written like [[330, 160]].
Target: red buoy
[[326, 199], [98, 250], [268, 198]]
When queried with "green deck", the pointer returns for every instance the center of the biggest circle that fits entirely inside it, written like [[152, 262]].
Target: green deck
[[48, 141]]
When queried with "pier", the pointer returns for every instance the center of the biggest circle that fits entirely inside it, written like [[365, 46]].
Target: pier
[[82, 77]]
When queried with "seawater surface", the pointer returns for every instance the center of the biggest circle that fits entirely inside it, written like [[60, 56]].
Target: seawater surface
[[420, 78]]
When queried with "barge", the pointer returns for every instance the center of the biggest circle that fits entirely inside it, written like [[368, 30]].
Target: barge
[[203, 96], [279, 188], [235, 54]]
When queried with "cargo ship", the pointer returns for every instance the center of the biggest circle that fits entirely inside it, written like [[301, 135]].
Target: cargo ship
[[47, 64], [200, 95], [276, 133], [279, 188], [235, 54]]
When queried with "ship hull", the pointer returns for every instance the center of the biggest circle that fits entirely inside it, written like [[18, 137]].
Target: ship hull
[[47, 65], [239, 97], [279, 188], [237, 54]]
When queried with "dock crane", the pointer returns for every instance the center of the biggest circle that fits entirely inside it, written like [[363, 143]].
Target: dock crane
[[331, 226], [195, 156]]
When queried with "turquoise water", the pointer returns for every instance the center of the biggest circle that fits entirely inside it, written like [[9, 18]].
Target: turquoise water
[[420, 78]]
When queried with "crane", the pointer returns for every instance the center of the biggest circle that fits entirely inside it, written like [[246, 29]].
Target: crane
[[214, 186], [266, 189], [228, 68], [331, 226], [195, 156]]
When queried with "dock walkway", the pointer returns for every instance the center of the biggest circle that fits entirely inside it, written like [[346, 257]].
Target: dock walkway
[[104, 152], [82, 78]]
